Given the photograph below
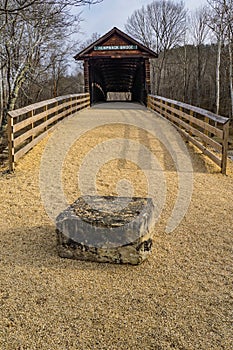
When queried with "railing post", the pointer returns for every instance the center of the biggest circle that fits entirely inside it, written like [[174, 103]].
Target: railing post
[[148, 101], [190, 123], [56, 113], [46, 116], [172, 105], [31, 114], [70, 104], [11, 150], [154, 99], [206, 132], [78, 103], [181, 110], [165, 110], [207, 122], [225, 147], [161, 107]]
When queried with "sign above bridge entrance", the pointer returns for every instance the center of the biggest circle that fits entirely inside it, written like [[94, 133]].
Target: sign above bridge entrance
[[118, 43], [115, 47]]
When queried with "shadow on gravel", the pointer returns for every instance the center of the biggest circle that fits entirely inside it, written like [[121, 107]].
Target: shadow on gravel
[[35, 247]]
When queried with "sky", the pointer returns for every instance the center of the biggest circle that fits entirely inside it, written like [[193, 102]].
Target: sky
[[103, 17]]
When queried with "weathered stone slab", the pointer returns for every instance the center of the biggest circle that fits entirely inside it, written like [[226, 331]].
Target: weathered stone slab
[[106, 229]]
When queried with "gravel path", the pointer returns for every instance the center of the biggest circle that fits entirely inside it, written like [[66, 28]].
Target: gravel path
[[180, 298]]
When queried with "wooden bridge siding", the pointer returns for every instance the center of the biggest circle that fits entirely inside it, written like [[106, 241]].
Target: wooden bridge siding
[[29, 125], [86, 77], [194, 124], [147, 74]]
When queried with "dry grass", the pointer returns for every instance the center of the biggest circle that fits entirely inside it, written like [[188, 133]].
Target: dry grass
[[180, 298]]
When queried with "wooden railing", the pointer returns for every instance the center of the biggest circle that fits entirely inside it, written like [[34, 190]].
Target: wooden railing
[[206, 130], [29, 125]]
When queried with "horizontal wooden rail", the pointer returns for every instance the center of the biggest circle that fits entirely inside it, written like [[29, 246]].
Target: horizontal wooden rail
[[29, 125], [199, 126]]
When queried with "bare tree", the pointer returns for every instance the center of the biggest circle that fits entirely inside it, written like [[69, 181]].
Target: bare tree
[[216, 22], [138, 25], [57, 66], [161, 26], [95, 36], [25, 38], [30, 32], [229, 36], [14, 6], [199, 34]]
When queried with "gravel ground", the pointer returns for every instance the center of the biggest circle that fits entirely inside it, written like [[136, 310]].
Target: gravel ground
[[180, 298]]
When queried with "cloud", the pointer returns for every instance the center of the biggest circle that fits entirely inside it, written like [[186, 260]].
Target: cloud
[[108, 14], [102, 17]]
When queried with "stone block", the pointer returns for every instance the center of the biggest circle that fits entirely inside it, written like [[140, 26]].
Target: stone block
[[106, 229]]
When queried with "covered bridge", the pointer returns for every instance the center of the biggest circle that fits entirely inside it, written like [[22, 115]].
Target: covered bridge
[[116, 63]]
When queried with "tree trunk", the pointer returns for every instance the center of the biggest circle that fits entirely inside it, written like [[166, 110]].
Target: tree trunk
[[218, 75], [1, 97], [231, 76], [18, 82], [198, 85], [185, 74], [159, 73]]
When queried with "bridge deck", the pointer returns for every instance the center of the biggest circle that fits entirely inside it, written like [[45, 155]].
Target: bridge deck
[[78, 304]]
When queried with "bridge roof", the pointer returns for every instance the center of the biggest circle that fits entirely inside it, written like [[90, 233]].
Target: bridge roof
[[115, 44], [116, 63]]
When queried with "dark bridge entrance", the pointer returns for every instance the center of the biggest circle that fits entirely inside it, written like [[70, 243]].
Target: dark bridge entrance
[[117, 65]]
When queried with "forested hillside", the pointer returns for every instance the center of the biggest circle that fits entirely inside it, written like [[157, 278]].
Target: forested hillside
[[195, 51], [189, 75]]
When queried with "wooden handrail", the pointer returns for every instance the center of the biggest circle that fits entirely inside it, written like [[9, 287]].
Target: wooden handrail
[[199, 126], [35, 106], [29, 125]]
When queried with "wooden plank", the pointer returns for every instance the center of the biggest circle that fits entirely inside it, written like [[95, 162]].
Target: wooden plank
[[206, 120], [86, 76], [10, 143], [147, 75], [23, 124], [46, 114], [34, 131], [225, 147], [18, 112], [31, 117], [196, 121], [76, 103], [24, 110], [190, 122], [79, 107], [192, 130], [34, 119], [204, 112], [30, 145], [205, 151], [196, 132]]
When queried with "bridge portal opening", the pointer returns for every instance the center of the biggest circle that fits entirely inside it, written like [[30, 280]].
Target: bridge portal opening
[[117, 67]]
